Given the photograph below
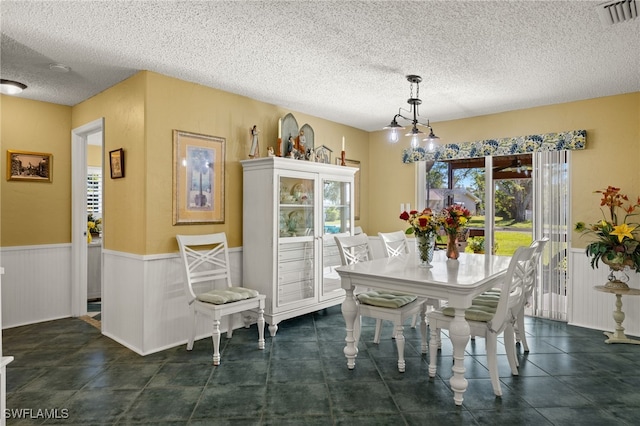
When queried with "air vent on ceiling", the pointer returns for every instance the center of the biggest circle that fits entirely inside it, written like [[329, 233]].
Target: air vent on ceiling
[[614, 12]]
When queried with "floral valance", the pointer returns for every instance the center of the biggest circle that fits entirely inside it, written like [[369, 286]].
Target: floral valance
[[561, 141]]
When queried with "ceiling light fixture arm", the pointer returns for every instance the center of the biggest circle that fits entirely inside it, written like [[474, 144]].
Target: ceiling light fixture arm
[[412, 117]]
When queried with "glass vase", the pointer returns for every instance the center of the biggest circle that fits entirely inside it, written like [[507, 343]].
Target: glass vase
[[424, 249], [452, 247]]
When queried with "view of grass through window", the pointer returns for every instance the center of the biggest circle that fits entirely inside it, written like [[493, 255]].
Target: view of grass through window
[[463, 182]]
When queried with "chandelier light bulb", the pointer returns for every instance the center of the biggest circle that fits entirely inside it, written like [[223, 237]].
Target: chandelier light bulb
[[415, 141], [394, 136]]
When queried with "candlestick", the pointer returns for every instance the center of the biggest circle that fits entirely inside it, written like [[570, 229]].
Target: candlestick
[[342, 163]]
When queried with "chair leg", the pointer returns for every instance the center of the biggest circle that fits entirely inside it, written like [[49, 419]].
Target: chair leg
[[260, 328], [192, 328], [492, 362], [510, 346], [414, 321], [520, 332], [400, 344], [230, 326], [423, 328], [216, 342], [376, 336], [433, 349]]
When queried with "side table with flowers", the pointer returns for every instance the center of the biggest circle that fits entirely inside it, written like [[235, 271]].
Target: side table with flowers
[[617, 246], [424, 225], [454, 220], [616, 240]]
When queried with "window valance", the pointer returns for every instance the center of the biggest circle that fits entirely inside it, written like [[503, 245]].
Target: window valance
[[561, 141]]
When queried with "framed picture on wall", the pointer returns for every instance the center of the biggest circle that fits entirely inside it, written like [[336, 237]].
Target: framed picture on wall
[[29, 166], [356, 184], [198, 178], [116, 162]]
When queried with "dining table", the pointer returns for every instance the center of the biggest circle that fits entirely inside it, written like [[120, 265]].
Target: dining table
[[456, 281]]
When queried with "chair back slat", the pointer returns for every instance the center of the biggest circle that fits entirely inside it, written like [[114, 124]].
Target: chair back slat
[[512, 288], [354, 249], [538, 246], [205, 259], [394, 243]]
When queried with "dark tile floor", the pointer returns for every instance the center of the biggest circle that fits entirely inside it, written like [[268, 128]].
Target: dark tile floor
[[570, 377]]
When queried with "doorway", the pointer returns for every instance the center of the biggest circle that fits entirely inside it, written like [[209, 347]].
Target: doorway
[[79, 231]]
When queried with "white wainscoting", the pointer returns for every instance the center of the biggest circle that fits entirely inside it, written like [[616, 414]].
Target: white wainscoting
[[145, 309], [144, 303], [36, 285], [593, 309]]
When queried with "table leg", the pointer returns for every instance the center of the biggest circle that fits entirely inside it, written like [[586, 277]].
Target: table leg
[[459, 333], [350, 313], [618, 316]]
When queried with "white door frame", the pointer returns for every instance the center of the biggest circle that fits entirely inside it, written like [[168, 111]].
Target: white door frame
[[79, 249]]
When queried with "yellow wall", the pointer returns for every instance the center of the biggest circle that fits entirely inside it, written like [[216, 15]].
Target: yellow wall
[[123, 109], [611, 157], [35, 213], [141, 112], [140, 116]]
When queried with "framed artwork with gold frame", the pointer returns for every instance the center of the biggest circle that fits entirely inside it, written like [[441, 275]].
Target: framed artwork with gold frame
[[29, 166], [198, 178]]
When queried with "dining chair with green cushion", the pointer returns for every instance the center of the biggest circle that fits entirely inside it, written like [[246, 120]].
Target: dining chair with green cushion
[[209, 290], [396, 244], [487, 321], [378, 304]]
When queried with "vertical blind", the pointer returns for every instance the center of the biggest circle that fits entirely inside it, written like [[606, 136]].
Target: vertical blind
[[551, 219]]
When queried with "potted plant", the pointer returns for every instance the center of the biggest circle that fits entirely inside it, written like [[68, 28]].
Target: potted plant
[[94, 226], [616, 241], [476, 244]]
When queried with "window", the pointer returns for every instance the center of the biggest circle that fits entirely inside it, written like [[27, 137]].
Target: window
[[94, 191]]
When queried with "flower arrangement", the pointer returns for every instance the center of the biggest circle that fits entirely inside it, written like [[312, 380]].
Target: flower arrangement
[[94, 226], [421, 223], [454, 219], [616, 243]]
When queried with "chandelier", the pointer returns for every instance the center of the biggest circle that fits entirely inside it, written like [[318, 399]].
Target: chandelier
[[415, 132]]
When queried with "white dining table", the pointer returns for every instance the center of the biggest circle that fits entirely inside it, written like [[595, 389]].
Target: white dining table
[[457, 281]]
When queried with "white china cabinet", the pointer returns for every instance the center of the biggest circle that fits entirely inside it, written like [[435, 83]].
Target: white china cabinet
[[291, 211]]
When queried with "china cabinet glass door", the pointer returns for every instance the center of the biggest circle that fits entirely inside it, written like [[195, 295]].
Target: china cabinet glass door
[[336, 220], [296, 240]]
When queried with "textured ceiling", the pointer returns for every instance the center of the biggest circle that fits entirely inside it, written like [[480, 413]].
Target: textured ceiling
[[345, 61]]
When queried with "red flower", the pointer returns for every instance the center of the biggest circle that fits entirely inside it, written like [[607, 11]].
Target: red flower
[[404, 216]]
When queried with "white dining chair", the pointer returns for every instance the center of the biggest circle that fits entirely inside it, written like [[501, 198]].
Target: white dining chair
[[378, 304], [206, 263], [396, 244], [520, 332], [487, 321]]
